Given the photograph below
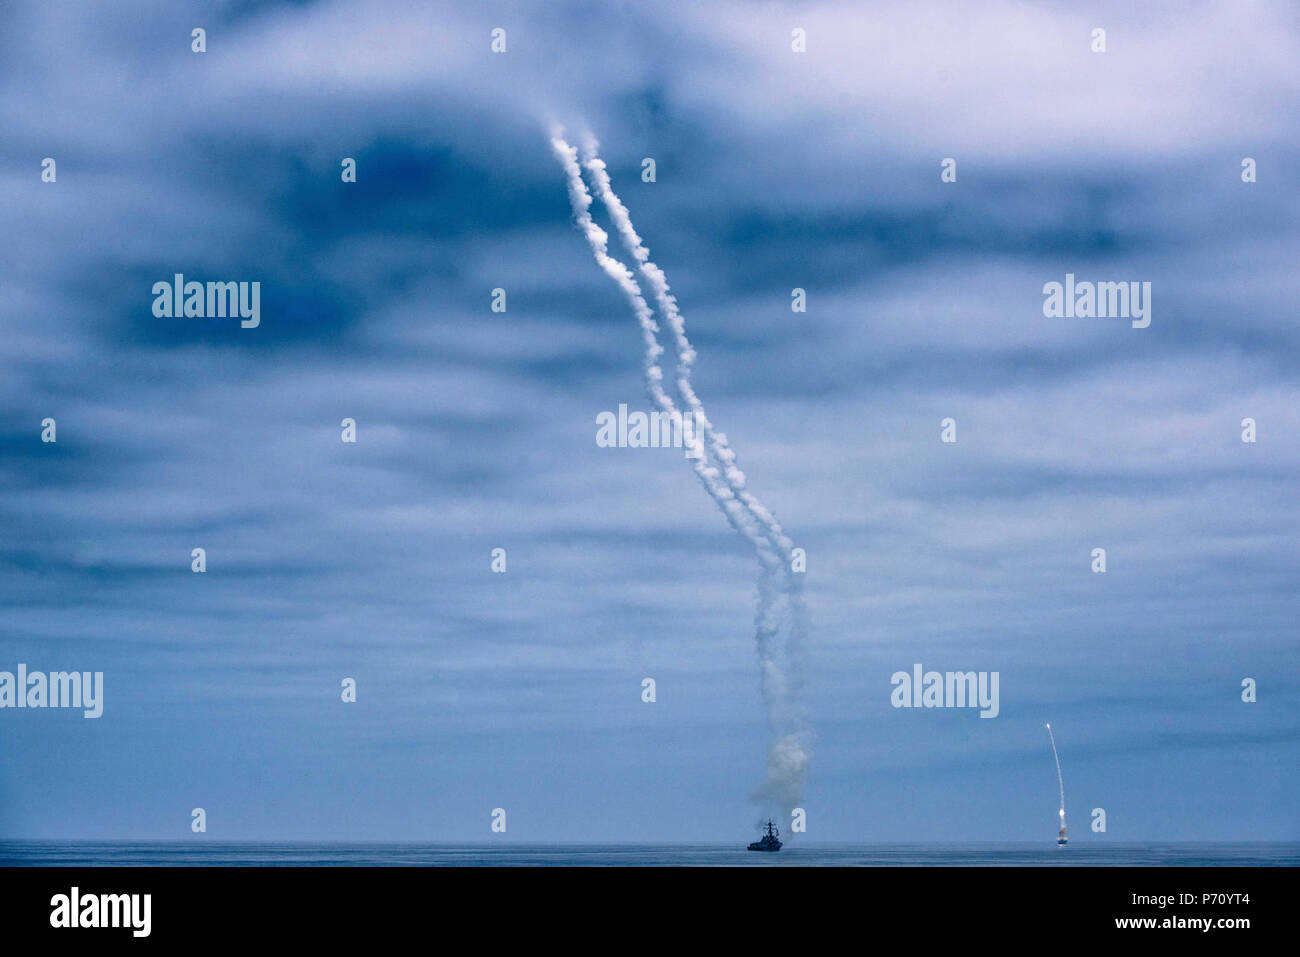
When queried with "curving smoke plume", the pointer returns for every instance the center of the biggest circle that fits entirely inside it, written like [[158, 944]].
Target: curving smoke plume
[[780, 598], [598, 239], [1060, 782]]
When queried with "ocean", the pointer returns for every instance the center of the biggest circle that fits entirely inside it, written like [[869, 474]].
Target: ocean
[[794, 854]]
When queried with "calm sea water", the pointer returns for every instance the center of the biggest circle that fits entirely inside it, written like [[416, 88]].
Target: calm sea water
[[182, 853]]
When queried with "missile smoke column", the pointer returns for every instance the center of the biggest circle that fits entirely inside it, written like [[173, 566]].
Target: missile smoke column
[[780, 598], [1059, 782]]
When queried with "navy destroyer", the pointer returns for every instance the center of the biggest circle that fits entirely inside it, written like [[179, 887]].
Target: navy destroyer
[[768, 842]]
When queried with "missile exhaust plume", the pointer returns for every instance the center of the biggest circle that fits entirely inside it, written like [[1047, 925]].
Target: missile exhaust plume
[[779, 689], [780, 598], [1059, 782], [598, 240], [667, 304]]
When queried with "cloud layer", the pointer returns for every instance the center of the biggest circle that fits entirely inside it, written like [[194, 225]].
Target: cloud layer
[[476, 429]]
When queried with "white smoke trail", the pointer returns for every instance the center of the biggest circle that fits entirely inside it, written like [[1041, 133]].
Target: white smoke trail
[[1059, 782], [789, 753], [788, 685], [598, 239], [667, 303]]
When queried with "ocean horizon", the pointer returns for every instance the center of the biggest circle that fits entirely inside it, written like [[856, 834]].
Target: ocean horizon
[[62, 853]]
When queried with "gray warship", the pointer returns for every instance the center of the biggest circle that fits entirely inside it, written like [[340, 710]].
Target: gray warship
[[768, 842]]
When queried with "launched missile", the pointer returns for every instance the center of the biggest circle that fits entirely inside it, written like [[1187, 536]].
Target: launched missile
[[1061, 839]]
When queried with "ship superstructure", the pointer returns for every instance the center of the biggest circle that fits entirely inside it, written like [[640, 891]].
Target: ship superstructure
[[771, 841]]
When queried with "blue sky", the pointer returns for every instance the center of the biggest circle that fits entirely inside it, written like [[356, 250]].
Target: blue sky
[[476, 429]]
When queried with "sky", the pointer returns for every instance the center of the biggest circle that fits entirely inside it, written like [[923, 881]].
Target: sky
[[476, 429]]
